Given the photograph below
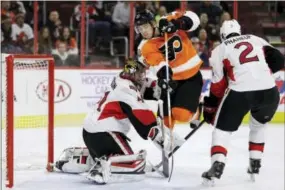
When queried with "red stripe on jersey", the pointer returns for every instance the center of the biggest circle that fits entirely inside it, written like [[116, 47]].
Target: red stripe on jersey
[[145, 116], [112, 109], [218, 150], [256, 146], [218, 89], [229, 69]]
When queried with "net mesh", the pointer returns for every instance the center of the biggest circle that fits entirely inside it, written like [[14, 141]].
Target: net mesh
[[30, 112]]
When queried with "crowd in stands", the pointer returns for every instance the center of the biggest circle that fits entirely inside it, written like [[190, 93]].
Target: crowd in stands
[[106, 19]]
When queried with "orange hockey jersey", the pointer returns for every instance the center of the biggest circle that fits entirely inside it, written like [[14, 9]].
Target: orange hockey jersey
[[183, 58]]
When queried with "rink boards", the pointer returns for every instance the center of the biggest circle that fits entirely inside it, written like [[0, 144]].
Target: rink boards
[[76, 92]]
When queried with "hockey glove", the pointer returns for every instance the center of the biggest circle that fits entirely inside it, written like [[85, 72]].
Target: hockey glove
[[166, 26], [156, 136], [210, 105], [167, 86], [163, 83]]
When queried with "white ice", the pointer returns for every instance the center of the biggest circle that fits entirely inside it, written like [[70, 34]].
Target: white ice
[[189, 162]]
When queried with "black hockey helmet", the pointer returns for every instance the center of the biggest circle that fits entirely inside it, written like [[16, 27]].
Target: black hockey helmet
[[143, 17]]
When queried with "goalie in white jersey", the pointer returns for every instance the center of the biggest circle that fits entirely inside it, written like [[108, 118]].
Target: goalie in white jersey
[[242, 81], [105, 129]]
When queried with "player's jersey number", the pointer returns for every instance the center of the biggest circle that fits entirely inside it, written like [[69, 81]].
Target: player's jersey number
[[174, 46], [244, 58]]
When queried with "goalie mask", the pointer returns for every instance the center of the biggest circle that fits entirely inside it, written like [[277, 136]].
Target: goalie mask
[[134, 71]]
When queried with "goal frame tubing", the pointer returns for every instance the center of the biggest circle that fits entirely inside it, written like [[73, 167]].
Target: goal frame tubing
[[10, 113]]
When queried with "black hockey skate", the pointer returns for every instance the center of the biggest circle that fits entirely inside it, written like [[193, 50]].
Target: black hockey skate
[[215, 171], [253, 169]]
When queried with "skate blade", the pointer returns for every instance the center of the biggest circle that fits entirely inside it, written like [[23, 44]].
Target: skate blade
[[209, 182], [252, 177]]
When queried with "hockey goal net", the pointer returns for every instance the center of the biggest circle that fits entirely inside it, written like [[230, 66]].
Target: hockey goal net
[[27, 94]]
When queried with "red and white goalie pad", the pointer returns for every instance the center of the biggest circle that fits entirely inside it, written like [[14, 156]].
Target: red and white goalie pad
[[78, 160]]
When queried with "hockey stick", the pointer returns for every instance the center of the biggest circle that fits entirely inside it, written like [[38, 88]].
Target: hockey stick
[[168, 102], [155, 168], [165, 160]]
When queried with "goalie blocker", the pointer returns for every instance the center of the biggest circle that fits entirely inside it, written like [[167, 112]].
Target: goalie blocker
[[105, 130]]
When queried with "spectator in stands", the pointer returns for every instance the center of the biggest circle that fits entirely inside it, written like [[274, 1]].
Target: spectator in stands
[[215, 44], [54, 25], [204, 41], [149, 5], [210, 28], [202, 55], [100, 27], [121, 17], [29, 7], [22, 33], [224, 16], [213, 11], [45, 44], [7, 44], [17, 7], [6, 29], [63, 58], [161, 12], [66, 37], [6, 10]]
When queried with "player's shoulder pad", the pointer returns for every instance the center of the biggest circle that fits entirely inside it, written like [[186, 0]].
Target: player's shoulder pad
[[195, 19], [126, 87], [260, 40], [217, 55]]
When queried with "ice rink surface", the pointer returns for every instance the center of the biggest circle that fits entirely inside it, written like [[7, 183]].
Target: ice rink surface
[[189, 162]]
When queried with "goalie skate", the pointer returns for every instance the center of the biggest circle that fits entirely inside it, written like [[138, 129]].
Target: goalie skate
[[100, 173]]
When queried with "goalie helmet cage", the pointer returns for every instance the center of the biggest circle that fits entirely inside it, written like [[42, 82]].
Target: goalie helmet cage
[[23, 63]]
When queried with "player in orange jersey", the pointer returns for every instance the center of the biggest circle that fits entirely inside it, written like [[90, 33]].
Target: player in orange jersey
[[184, 62]]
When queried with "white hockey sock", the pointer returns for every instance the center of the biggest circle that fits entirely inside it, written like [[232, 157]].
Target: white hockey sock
[[220, 141], [256, 138]]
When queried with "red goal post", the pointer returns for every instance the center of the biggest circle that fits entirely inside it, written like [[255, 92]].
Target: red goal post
[[26, 64]]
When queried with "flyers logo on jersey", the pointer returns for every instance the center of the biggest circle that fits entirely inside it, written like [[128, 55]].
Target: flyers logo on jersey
[[174, 46]]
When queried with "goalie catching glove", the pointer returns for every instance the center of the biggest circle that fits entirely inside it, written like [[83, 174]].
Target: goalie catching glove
[[164, 141]]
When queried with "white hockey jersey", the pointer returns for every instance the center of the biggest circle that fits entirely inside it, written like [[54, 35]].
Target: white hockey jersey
[[120, 108], [239, 64]]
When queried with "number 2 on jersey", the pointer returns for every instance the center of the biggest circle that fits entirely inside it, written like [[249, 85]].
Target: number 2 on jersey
[[243, 58]]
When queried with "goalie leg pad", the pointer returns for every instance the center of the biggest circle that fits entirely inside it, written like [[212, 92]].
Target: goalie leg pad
[[103, 169], [128, 164], [74, 160]]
